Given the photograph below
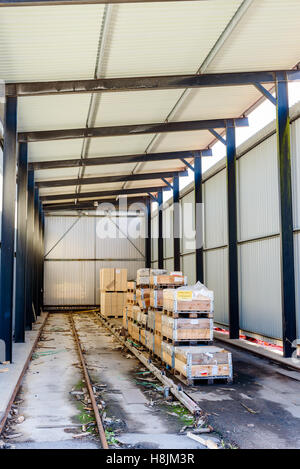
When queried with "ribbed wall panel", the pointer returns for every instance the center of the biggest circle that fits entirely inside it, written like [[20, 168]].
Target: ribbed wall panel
[[188, 266], [216, 279], [168, 232], [258, 191], [260, 287], [215, 211], [187, 204]]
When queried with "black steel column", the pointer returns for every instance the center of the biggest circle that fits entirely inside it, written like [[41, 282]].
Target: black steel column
[[41, 256], [148, 233], [20, 296], [176, 223], [8, 224], [29, 253], [286, 217], [160, 230], [233, 286], [198, 219], [36, 253]]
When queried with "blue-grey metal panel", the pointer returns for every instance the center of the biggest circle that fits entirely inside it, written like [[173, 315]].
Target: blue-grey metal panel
[[216, 279], [260, 287]]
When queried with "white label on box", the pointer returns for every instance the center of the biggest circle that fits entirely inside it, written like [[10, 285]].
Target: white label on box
[[117, 271], [194, 321], [215, 370]]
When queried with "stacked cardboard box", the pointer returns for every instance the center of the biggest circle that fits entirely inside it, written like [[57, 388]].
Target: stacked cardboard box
[[113, 288]]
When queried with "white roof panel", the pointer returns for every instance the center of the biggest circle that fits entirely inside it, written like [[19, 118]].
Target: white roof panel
[[125, 145], [52, 112], [56, 42], [174, 141], [265, 39], [54, 150], [164, 38], [135, 107]]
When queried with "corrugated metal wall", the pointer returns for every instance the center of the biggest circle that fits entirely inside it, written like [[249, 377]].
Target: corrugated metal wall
[[258, 233], [76, 250]]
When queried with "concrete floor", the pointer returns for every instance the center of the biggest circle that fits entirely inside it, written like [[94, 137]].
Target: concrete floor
[[266, 388], [51, 414], [261, 409]]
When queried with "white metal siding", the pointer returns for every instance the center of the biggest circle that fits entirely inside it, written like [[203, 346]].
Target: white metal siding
[[215, 211], [168, 232], [258, 191], [72, 267], [187, 204], [188, 265], [260, 287], [216, 279], [154, 232]]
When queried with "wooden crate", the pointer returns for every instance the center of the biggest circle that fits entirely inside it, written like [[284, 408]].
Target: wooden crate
[[131, 286], [143, 297], [157, 345], [186, 329], [158, 316], [203, 362], [143, 335], [185, 300], [125, 319], [142, 318], [131, 297], [151, 319], [167, 354], [150, 341], [107, 279], [156, 298], [121, 280], [135, 332], [177, 280]]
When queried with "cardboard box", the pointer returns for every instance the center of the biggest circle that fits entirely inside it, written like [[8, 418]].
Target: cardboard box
[[107, 279], [120, 280], [112, 303]]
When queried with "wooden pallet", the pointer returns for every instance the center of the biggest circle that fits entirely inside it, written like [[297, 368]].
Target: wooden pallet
[[209, 380], [178, 343], [112, 316], [188, 314]]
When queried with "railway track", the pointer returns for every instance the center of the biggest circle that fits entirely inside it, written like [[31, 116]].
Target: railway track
[[85, 373], [72, 333]]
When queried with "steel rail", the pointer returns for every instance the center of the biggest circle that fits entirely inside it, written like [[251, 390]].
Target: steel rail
[[17, 386], [89, 385], [186, 400]]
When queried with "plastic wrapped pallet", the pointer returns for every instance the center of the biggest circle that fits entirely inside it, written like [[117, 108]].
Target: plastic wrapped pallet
[[143, 335], [143, 297], [202, 362], [135, 312], [188, 298], [185, 329], [158, 318]]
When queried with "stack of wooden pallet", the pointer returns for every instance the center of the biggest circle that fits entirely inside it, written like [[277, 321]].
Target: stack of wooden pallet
[[177, 326], [187, 333], [159, 281]]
